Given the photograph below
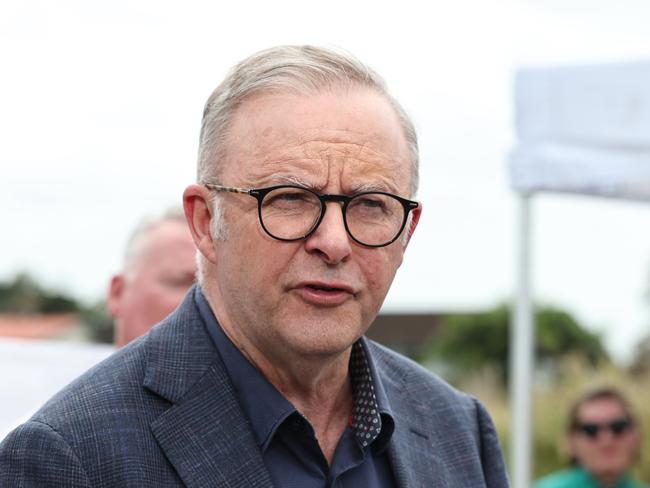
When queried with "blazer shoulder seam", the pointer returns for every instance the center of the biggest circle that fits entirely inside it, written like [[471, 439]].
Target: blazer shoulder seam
[[62, 437]]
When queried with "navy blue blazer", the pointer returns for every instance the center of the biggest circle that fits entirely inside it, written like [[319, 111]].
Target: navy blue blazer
[[161, 412]]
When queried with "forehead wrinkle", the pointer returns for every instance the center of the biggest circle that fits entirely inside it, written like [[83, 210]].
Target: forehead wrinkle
[[291, 171], [351, 156], [314, 156], [363, 151]]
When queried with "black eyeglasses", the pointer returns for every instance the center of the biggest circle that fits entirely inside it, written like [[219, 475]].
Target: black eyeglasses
[[592, 429], [291, 213]]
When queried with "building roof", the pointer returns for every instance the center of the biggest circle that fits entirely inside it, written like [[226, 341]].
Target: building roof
[[38, 326], [405, 332]]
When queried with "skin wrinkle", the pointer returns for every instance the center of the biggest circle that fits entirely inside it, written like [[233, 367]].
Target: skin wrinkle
[[283, 144], [306, 170]]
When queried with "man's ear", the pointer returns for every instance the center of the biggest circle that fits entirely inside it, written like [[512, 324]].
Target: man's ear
[[413, 223], [114, 298], [198, 212]]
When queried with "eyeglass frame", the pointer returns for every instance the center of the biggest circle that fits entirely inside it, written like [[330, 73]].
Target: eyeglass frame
[[260, 193]]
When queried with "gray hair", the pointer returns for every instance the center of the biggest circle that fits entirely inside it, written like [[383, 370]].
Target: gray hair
[[146, 225], [300, 69]]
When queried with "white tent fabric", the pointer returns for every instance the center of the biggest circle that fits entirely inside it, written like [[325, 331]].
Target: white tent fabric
[[583, 130], [33, 371]]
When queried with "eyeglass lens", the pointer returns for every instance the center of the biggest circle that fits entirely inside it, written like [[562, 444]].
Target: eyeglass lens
[[592, 430], [292, 213]]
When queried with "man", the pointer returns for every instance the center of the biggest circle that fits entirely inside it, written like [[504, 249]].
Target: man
[[159, 268], [262, 377], [604, 440]]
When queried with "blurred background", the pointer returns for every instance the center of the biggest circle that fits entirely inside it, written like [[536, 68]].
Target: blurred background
[[100, 107]]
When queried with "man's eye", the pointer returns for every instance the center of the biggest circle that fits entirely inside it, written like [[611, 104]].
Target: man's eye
[[368, 203], [288, 198], [292, 196], [371, 202]]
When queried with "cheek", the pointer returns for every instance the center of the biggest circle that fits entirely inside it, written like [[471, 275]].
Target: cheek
[[580, 449], [155, 292], [255, 264], [629, 448], [379, 269], [173, 296]]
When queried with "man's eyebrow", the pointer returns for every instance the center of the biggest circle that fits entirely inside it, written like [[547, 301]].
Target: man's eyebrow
[[294, 180], [353, 189], [366, 187]]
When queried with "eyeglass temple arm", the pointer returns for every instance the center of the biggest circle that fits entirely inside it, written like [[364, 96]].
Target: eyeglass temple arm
[[213, 186]]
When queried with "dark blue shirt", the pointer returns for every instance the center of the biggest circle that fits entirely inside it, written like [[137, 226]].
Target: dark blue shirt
[[286, 438]]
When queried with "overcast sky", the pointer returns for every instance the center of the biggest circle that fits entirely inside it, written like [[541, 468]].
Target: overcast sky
[[100, 105]]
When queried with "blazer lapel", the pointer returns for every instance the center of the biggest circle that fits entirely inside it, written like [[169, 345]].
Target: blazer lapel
[[413, 446], [208, 439], [411, 450], [204, 434]]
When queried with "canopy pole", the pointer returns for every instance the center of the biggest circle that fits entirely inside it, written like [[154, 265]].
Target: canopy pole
[[522, 352]]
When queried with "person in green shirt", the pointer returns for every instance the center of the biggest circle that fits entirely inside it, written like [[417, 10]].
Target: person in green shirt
[[604, 440]]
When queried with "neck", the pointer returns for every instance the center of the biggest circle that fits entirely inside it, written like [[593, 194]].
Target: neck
[[318, 385], [609, 481], [310, 382]]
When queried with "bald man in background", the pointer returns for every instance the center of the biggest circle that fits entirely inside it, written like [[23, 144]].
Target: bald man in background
[[159, 268]]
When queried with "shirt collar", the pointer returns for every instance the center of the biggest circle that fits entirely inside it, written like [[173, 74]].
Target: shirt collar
[[372, 418]]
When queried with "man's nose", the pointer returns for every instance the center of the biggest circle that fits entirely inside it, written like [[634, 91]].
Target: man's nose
[[606, 435], [330, 239]]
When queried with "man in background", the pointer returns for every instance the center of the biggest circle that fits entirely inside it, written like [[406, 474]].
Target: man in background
[[159, 268], [604, 439]]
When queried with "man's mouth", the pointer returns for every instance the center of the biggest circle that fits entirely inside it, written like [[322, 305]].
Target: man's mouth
[[324, 294], [324, 288]]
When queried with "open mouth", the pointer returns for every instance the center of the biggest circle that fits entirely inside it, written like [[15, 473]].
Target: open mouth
[[324, 288], [322, 294]]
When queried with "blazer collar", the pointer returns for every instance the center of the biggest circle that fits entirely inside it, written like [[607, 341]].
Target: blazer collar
[[204, 434]]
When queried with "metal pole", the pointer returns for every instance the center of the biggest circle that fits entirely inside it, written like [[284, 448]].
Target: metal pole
[[522, 351]]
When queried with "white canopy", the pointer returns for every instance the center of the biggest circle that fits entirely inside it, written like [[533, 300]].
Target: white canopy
[[33, 371], [583, 130]]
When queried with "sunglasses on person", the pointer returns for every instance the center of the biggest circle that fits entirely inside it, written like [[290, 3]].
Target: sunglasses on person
[[592, 429]]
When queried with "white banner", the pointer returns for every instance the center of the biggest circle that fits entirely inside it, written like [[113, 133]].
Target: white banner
[[33, 371], [583, 129]]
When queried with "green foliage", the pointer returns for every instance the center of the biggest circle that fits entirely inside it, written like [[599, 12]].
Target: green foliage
[[24, 295], [99, 322], [558, 334], [468, 342]]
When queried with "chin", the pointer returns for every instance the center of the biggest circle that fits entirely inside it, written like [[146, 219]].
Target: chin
[[610, 472], [322, 332], [323, 342]]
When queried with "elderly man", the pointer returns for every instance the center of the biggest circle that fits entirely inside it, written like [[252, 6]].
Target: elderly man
[[159, 268], [262, 377]]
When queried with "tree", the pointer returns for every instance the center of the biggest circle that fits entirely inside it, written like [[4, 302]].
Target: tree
[[466, 343], [24, 295], [99, 322]]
